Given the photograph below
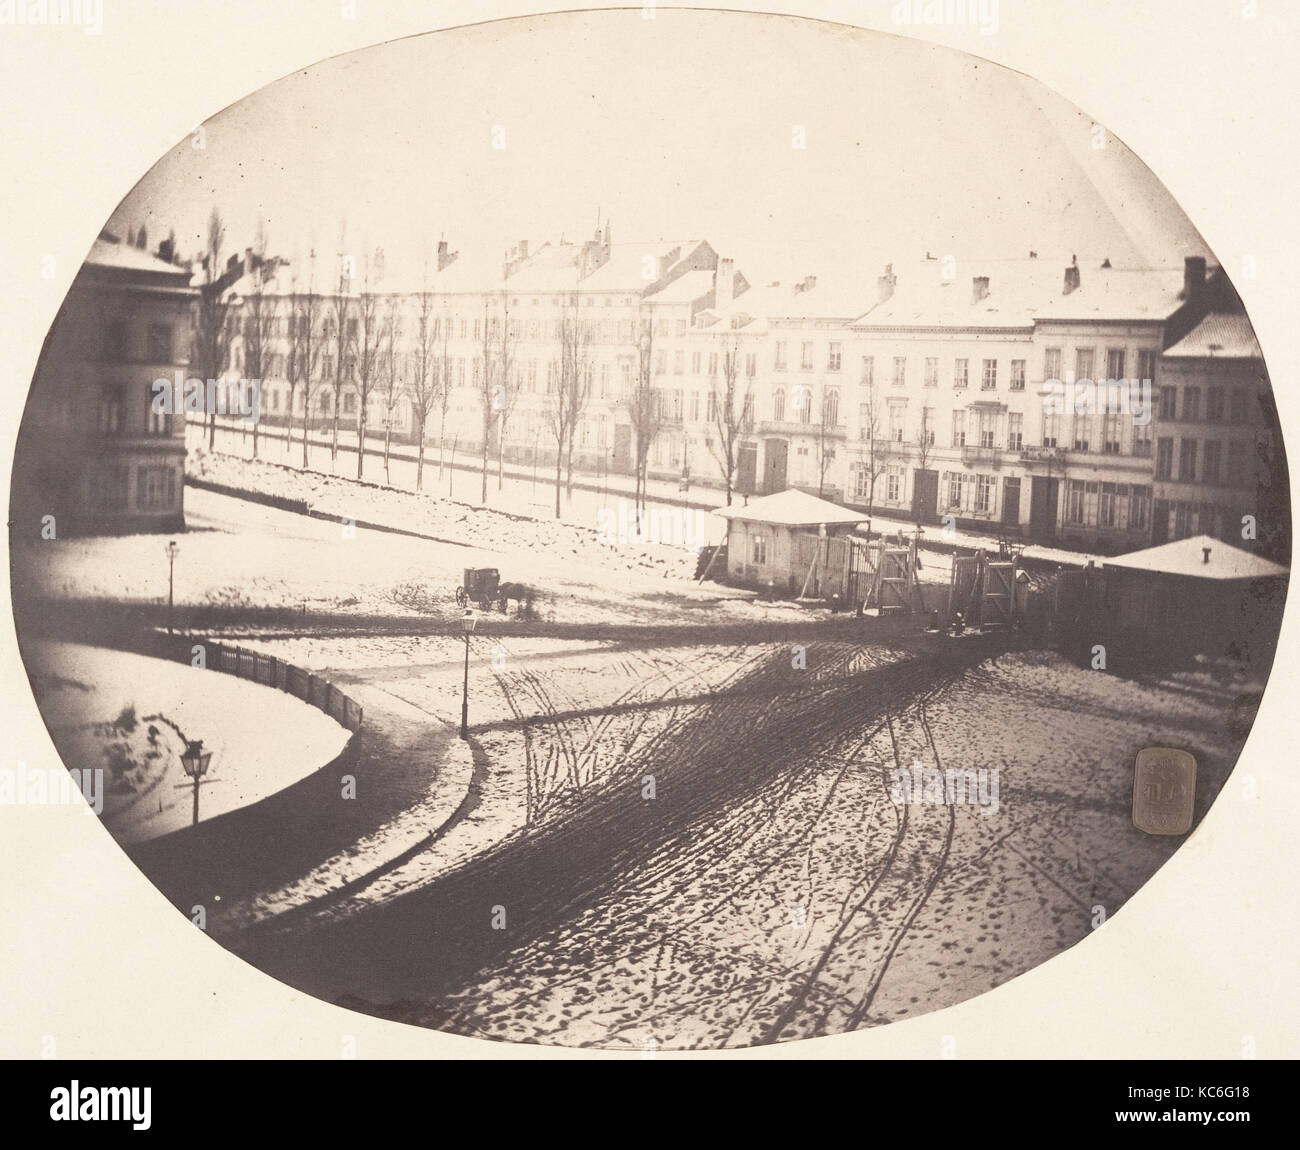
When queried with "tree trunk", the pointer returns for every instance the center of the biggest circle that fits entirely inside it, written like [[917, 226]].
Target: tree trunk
[[334, 437], [451, 466], [388, 443], [442, 441], [559, 466], [306, 428], [487, 437], [212, 430], [361, 440], [419, 461], [255, 440]]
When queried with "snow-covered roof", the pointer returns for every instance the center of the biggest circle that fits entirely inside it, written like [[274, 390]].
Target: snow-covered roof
[[686, 288], [791, 508], [1188, 557], [1218, 337], [1022, 291], [107, 253]]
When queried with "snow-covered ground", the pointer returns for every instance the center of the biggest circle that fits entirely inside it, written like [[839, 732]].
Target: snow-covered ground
[[126, 714]]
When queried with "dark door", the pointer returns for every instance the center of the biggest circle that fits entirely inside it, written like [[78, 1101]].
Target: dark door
[[775, 455], [1160, 522], [622, 458], [747, 468], [1011, 500], [1044, 495], [925, 494]]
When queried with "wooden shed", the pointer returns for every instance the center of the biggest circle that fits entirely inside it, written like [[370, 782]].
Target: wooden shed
[[1195, 596], [772, 542]]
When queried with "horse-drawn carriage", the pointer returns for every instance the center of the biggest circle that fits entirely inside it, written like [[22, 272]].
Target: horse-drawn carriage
[[483, 586]]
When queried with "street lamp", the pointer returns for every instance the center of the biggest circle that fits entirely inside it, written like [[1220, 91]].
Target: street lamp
[[195, 760], [172, 549], [467, 622]]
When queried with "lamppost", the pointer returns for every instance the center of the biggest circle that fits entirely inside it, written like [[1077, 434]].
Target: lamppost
[[195, 760], [467, 622], [173, 549]]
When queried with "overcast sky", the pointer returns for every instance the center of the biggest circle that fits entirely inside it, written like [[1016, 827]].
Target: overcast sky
[[679, 127]]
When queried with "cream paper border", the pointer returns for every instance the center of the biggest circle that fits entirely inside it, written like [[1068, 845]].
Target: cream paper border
[[1200, 963]]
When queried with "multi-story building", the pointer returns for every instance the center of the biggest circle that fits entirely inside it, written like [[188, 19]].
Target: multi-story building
[[1218, 467], [96, 450], [1019, 397]]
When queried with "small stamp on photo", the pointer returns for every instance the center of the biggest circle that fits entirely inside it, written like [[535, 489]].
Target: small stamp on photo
[[1164, 790]]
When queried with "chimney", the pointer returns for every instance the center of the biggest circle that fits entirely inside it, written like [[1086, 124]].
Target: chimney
[[523, 249], [885, 284], [1193, 276], [444, 256], [1205, 554], [1072, 281], [724, 283], [979, 288]]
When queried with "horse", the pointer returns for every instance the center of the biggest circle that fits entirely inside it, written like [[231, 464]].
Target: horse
[[521, 593]]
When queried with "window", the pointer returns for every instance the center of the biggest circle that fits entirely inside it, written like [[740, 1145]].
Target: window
[[833, 358], [862, 484], [897, 412], [1214, 405], [661, 362], [778, 405], [697, 361], [1083, 362], [1142, 439], [679, 363], [1169, 403], [1187, 460], [956, 490], [1015, 431], [778, 362], [349, 403], [959, 428], [155, 488], [806, 356], [894, 484], [1051, 429], [831, 408], [984, 494], [1114, 363], [115, 340], [110, 409], [927, 426], [868, 371], [1110, 426], [989, 376], [802, 397], [713, 407], [747, 412], [156, 422], [1083, 433], [160, 343], [900, 371], [713, 362], [931, 371], [1106, 516], [751, 364], [1240, 403], [1052, 364], [1192, 404], [1164, 457], [1017, 375], [695, 407], [1146, 365], [988, 429], [1213, 453], [960, 372], [760, 550], [681, 327]]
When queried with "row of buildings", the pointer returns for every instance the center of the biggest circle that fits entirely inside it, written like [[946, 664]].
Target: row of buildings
[[934, 391]]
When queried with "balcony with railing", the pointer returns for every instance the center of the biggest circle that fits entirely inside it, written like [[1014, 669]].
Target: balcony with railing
[[1036, 453], [982, 456]]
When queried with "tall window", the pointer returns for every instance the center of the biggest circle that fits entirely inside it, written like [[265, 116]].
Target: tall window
[[1017, 375], [960, 372], [1187, 460], [896, 422], [697, 358], [1164, 457], [110, 409], [1015, 431], [156, 422], [833, 357], [1213, 455], [868, 370], [760, 550], [155, 488], [989, 375], [1169, 403], [1051, 429], [778, 405], [1083, 363], [831, 408], [1147, 365], [1052, 364], [1214, 405], [984, 493], [931, 371], [1114, 363], [1192, 404], [900, 370], [778, 362], [806, 356], [1110, 425], [959, 428]]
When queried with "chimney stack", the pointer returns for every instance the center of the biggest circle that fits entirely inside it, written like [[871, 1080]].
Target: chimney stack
[[979, 288], [724, 283], [444, 256], [885, 284], [1193, 276], [1205, 552], [1072, 281], [523, 249]]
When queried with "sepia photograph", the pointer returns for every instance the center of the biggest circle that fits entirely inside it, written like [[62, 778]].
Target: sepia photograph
[[648, 530]]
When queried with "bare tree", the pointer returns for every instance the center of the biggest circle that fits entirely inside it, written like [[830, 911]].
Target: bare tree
[[340, 329], [875, 455], [644, 413], [924, 440], [565, 386], [305, 342], [443, 394], [425, 377], [392, 376], [487, 393], [828, 422], [259, 315], [365, 348], [507, 389], [731, 412], [212, 313]]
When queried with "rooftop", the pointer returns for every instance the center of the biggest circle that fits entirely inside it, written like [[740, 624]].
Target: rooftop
[[113, 254], [1218, 337], [1188, 557], [791, 508]]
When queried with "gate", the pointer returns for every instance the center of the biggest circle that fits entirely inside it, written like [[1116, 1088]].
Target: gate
[[895, 581], [998, 603]]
